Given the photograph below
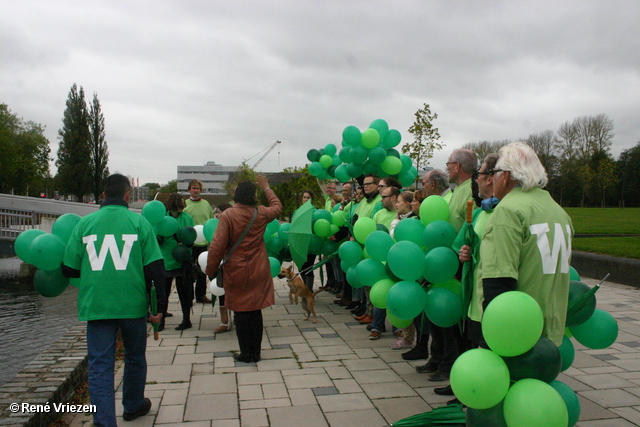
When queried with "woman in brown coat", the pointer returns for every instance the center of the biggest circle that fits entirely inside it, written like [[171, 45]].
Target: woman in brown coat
[[248, 285]]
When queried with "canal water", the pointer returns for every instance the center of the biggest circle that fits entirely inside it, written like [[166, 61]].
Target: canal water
[[29, 323]]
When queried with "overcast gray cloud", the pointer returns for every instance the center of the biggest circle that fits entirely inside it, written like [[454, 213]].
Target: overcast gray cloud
[[184, 82]]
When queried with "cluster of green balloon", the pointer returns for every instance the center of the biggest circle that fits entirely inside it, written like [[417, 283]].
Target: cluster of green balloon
[[512, 323], [322, 223], [272, 238], [46, 252]]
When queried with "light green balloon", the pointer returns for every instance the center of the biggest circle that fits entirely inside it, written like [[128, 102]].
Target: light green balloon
[[434, 208], [397, 322], [322, 228], [325, 161], [391, 165], [512, 323], [154, 211], [370, 138], [534, 403], [379, 291], [338, 218], [362, 228], [480, 378]]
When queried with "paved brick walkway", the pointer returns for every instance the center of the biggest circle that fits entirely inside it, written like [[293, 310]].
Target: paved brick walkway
[[331, 374]]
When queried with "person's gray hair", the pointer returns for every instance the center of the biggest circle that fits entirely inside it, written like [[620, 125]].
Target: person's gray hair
[[491, 160], [440, 179], [524, 165], [467, 159]]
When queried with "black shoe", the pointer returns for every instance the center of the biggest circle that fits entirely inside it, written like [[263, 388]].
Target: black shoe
[[416, 353], [168, 315], [353, 305], [359, 311], [454, 402], [144, 410], [246, 358], [444, 391], [186, 324], [161, 325], [439, 376], [426, 369]]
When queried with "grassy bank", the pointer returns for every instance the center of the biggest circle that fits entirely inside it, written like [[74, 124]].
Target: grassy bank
[[607, 221]]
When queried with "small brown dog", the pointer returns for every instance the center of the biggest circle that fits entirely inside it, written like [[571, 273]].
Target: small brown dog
[[297, 289]]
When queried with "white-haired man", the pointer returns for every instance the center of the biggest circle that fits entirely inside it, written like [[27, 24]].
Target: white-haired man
[[527, 241]]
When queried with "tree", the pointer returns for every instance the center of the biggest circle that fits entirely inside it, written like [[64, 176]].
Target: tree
[[170, 187], [545, 146], [425, 138], [24, 163], [153, 188], [74, 153], [483, 148], [290, 192], [629, 173], [99, 150], [244, 173]]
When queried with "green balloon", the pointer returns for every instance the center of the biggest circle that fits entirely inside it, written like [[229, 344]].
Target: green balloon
[[439, 233], [479, 378], [342, 174], [325, 161], [573, 274], [274, 266], [534, 403], [406, 299], [443, 307], [440, 265], [22, 245], [391, 165], [543, 362], [354, 170], [47, 251], [339, 218], [576, 291], [434, 208], [330, 150], [315, 169], [512, 323], [350, 252], [322, 228], [370, 272], [154, 211], [409, 229], [406, 162], [187, 235], [283, 231], [352, 277], [344, 155], [313, 155], [210, 228], [64, 225], [493, 417], [406, 179], [321, 214], [362, 228], [379, 291], [406, 260], [453, 285], [392, 138], [168, 226], [351, 136], [359, 154], [329, 247], [315, 245], [381, 126], [273, 226], [275, 244], [50, 283], [598, 332], [567, 353], [570, 400], [397, 322], [378, 244], [370, 138], [377, 155], [181, 253]]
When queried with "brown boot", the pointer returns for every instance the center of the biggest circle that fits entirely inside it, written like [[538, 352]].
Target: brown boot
[[226, 324]]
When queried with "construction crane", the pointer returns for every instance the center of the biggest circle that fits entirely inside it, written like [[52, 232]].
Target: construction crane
[[270, 149]]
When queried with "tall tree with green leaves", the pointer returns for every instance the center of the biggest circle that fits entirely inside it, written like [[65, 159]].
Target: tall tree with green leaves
[[629, 173], [24, 162], [74, 153], [426, 138], [99, 149]]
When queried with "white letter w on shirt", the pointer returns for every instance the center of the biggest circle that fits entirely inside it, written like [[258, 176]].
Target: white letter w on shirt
[[561, 246], [109, 245]]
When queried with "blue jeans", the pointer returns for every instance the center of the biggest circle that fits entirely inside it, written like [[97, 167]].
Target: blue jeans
[[379, 318], [101, 349]]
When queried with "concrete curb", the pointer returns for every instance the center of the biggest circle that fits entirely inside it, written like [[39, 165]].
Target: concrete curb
[[625, 271]]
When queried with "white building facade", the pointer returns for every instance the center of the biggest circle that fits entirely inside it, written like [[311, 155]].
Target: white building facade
[[212, 175]]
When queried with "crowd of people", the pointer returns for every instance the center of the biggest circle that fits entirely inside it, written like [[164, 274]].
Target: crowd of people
[[515, 220]]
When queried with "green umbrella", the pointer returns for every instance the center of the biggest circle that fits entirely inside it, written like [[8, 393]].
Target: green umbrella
[[450, 415], [300, 233], [583, 300], [471, 239], [154, 309]]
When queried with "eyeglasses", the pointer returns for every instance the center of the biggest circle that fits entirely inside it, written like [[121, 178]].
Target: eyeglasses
[[494, 171], [382, 186], [366, 184], [384, 197], [452, 163]]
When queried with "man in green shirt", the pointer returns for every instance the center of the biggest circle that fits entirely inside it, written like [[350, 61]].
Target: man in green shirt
[[200, 210], [115, 254], [461, 166], [527, 241]]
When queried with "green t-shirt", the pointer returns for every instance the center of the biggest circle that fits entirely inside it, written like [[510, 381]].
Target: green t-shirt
[[385, 217], [110, 248], [458, 204], [170, 242], [200, 211], [528, 238], [365, 208]]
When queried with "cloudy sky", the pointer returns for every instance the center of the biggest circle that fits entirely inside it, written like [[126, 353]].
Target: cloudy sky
[[186, 82]]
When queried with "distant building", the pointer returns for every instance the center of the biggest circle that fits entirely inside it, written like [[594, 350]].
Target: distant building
[[212, 175]]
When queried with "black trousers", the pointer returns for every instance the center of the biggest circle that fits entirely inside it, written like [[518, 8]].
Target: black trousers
[[184, 287], [201, 279], [249, 331]]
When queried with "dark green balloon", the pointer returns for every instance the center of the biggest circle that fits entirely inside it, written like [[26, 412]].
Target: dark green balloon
[[313, 155], [187, 235], [50, 283], [493, 417], [576, 291], [181, 253], [543, 362]]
